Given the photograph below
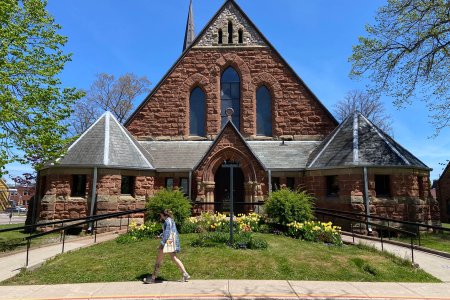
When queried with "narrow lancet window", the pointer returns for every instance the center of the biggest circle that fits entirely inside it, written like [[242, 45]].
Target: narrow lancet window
[[241, 36], [220, 37], [197, 113], [263, 112], [231, 95], [230, 32]]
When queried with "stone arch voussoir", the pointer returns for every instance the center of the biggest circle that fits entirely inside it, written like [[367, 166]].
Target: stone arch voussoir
[[233, 154]]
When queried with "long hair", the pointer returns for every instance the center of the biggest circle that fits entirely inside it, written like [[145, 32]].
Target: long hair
[[168, 213]]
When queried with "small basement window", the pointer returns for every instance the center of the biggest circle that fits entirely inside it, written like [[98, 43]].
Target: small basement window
[[275, 183], [290, 183], [78, 186], [127, 186], [241, 36], [332, 186], [169, 183], [184, 185], [382, 185]]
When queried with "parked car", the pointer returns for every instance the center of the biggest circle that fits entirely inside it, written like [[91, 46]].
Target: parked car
[[17, 209]]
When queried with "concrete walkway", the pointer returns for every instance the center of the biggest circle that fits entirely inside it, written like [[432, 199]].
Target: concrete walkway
[[11, 265], [435, 265], [225, 289], [230, 289]]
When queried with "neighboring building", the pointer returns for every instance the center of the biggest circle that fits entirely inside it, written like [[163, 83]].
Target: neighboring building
[[232, 98], [3, 195], [21, 195], [443, 194]]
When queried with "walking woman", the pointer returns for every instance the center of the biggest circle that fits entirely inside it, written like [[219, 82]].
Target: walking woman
[[169, 231]]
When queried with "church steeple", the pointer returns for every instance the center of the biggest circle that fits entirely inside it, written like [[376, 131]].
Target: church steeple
[[190, 31]]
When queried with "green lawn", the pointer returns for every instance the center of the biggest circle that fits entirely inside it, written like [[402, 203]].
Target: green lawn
[[12, 240], [437, 241], [285, 258]]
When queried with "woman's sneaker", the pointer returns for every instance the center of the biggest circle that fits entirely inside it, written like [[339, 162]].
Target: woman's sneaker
[[185, 277], [149, 280]]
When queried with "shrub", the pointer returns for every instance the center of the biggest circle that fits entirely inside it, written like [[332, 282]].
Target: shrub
[[169, 199], [315, 232], [140, 232], [285, 206], [251, 222]]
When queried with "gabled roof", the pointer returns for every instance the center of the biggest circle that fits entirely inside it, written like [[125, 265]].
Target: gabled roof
[[200, 35], [106, 143], [185, 155], [229, 125], [358, 142], [446, 170]]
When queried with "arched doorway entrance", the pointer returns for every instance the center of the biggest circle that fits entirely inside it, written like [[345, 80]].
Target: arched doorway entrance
[[222, 189]]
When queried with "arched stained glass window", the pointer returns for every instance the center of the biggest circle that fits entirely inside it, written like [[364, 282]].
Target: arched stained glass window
[[263, 112], [230, 95], [197, 112]]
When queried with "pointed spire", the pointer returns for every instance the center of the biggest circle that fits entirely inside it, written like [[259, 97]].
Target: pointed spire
[[190, 31]]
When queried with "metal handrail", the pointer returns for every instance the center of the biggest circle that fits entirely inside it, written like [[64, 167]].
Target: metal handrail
[[383, 218], [37, 225], [411, 234], [63, 229]]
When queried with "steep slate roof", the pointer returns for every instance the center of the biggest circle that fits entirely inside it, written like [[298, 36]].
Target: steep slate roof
[[187, 155], [293, 155], [179, 155], [106, 144], [200, 35], [358, 142]]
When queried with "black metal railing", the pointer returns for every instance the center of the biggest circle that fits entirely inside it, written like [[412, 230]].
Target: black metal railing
[[389, 221], [380, 227], [74, 223]]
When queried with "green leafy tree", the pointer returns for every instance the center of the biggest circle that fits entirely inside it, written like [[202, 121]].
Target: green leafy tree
[[406, 54], [33, 105]]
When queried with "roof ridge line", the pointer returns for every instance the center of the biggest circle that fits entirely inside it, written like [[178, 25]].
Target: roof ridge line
[[107, 140], [355, 139], [386, 141], [86, 131], [328, 143]]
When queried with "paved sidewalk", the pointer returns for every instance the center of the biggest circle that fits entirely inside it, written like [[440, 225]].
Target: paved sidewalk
[[435, 265], [10, 265], [230, 289]]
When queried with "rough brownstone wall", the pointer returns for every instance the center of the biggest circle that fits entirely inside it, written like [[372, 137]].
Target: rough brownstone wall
[[295, 111], [57, 204], [407, 201], [443, 195]]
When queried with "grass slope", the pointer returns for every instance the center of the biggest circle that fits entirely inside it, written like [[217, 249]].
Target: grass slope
[[285, 258], [13, 240]]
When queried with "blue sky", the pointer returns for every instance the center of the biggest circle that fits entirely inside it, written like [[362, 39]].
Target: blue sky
[[315, 37]]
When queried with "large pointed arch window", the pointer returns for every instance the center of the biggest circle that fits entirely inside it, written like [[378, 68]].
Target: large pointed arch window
[[230, 95], [263, 112], [197, 112]]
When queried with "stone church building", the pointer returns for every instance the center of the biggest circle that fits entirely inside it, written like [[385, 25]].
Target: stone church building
[[231, 98]]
